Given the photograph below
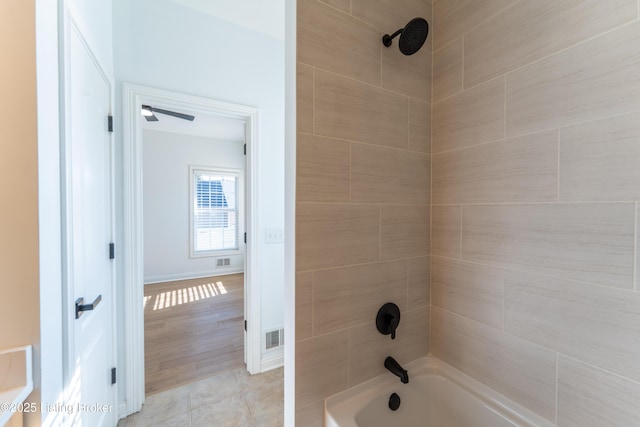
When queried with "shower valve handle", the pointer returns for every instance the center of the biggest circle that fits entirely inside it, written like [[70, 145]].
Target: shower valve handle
[[393, 324], [388, 319]]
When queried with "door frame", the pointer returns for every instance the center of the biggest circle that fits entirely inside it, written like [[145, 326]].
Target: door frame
[[134, 96]]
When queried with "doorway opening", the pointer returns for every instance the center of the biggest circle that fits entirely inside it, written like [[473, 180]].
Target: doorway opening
[[135, 97], [194, 251]]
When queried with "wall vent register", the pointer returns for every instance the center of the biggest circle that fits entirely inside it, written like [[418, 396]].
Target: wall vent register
[[274, 339], [223, 262]]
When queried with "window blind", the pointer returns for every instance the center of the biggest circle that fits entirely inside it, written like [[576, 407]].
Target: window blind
[[215, 211]]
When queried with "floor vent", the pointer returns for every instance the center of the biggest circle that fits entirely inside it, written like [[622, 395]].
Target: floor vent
[[274, 339], [223, 262]]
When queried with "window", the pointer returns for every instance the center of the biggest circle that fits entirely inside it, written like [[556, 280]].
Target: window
[[214, 206]]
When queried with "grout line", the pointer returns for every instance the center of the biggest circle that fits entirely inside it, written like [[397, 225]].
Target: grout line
[[352, 16], [370, 85], [575, 360], [380, 233], [350, 172], [407, 286], [190, 407], [248, 406], [408, 123], [557, 381], [504, 299], [450, 312], [350, 327], [504, 127], [564, 126], [365, 204], [558, 170], [531, 271], [431, 91], [431, 162], [534, 202], [413, 98], [588, 121], [430, 305], [489, 18], [635, 247], [381, 46], [449, 43], [353, 141], [462, 65], [348, 13], [313, 100], [581, 42], [466, 90], [511, 335], [313, 304], [461, 210], [349, 357], [444, 258]]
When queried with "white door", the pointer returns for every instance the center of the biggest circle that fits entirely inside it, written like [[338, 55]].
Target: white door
[[90, 270]]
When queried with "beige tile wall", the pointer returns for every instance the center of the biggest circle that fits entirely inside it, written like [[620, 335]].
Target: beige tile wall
[[363, 194], [537, 29], [535, 191], [513, 366], [520, 203], [589, 396]]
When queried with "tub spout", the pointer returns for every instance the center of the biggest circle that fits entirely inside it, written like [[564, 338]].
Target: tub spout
[[395, 368]]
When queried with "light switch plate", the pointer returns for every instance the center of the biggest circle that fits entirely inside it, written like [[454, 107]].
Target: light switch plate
[[274, 235]]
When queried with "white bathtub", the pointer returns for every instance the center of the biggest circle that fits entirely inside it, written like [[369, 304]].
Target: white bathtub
[[437, 395]]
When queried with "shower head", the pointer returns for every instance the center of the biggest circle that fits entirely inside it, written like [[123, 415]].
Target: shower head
[[412, 36]]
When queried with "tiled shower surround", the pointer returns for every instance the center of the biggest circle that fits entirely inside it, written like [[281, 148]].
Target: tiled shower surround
[[363, 192], [510, 177]]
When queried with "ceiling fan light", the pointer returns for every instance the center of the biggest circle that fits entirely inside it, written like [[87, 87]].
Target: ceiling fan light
[[146, 111]]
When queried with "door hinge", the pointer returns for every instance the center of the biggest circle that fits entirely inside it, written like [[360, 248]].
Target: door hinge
[[113, 376], [110, 123], [245, 149], [245, 325], [112, 250], [245, 237]]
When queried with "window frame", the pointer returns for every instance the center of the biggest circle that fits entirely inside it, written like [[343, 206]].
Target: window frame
[[238, 173]]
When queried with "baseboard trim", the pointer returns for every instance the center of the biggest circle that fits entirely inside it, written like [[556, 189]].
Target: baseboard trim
[[272, 363], [122, 410], [199, 275]]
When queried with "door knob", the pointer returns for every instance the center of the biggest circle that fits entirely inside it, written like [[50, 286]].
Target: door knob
[[81, 308]]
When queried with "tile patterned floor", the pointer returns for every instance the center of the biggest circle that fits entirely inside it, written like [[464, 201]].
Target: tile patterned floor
[[232, 399]]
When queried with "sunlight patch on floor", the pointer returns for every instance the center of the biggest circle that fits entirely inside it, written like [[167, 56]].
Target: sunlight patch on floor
[[185, 295]]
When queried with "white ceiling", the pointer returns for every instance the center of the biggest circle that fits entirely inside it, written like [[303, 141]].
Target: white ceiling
[[264, 16], [205, 125]]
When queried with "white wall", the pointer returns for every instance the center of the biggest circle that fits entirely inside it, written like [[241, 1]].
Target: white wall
[[161, 44], [166, 159], [19, 247], [266, 17], [95, 21]]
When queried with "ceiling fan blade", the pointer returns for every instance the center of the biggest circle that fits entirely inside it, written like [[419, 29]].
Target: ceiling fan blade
[[151, 118], [173, 114]]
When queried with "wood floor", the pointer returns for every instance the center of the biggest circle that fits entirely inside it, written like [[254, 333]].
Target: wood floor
[[193, 330]]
